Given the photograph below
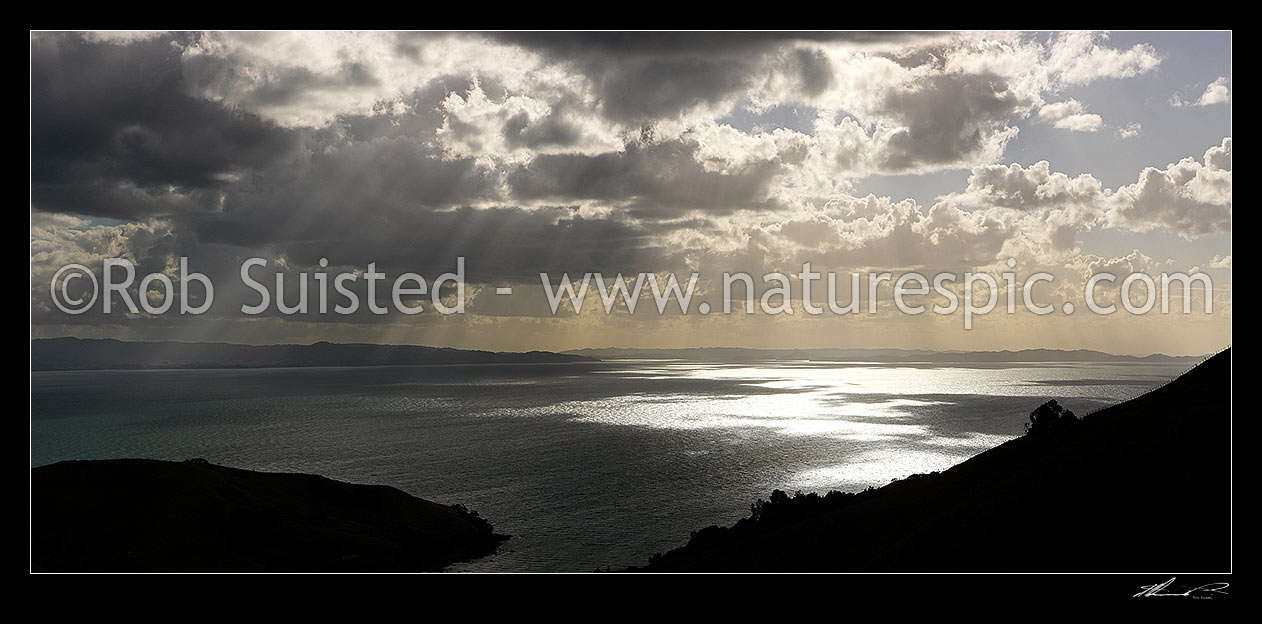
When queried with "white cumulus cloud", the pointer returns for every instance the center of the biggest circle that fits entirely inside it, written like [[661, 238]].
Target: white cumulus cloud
[[1070, 115]]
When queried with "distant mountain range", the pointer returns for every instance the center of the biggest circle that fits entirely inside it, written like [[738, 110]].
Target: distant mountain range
[[92, 354], [51, 354], [724, 354]]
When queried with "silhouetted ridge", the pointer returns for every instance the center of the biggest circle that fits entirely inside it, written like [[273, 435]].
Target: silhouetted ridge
[[146, 515], [1140, 486]]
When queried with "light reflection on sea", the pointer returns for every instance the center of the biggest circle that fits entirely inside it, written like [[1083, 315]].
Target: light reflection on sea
[[586, 465]]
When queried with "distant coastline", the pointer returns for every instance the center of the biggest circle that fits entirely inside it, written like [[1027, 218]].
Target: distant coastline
[[733, 354], [68, 354]]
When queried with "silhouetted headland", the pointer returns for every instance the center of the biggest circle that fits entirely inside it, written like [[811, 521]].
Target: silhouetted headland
[[1140, 486], [104, 354], [127, 515]]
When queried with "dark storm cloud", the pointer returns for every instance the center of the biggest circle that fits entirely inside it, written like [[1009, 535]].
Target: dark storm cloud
[[346, 189], [658, 181], [626, 44], [419, 118], [646, 76], [930, 56], [390, 200], [553, 131], [117, 133], [498, 243], [633, 91], [949, 118], [813, 69], [114, 132], [282, 85]]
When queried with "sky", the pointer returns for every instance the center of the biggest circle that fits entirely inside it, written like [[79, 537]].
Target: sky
[[1069, 153]]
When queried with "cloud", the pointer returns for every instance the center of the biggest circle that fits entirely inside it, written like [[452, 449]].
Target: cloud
[[1022, 188], [1220, 262], [851, 233], [58, 240], [309, 78], [1215, 93], [114, 134], [1218, 92], [1189, 198], [1078, 58], [654, 180], [1091, 264], [642, 77], [1069, 115], [927, 101], [1219, 156], [1130, 131], [573, 152], [948, 118]]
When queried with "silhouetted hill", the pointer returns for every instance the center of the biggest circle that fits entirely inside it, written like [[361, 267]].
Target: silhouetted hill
[[147, 515], [732, 354], [1140, 486], [94, 354]]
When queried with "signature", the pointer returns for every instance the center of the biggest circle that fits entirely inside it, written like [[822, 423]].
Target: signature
[[1168, 588]]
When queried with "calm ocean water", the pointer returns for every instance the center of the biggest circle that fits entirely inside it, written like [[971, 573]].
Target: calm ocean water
[[586, 465]]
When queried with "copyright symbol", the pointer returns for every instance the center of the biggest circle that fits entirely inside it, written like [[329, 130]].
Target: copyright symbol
[[62, 298]]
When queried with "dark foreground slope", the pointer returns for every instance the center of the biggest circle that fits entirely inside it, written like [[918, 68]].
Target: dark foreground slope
[[146, 515], [1140, 486]]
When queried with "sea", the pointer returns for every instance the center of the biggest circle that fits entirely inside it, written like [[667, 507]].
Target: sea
[[589, 465]]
